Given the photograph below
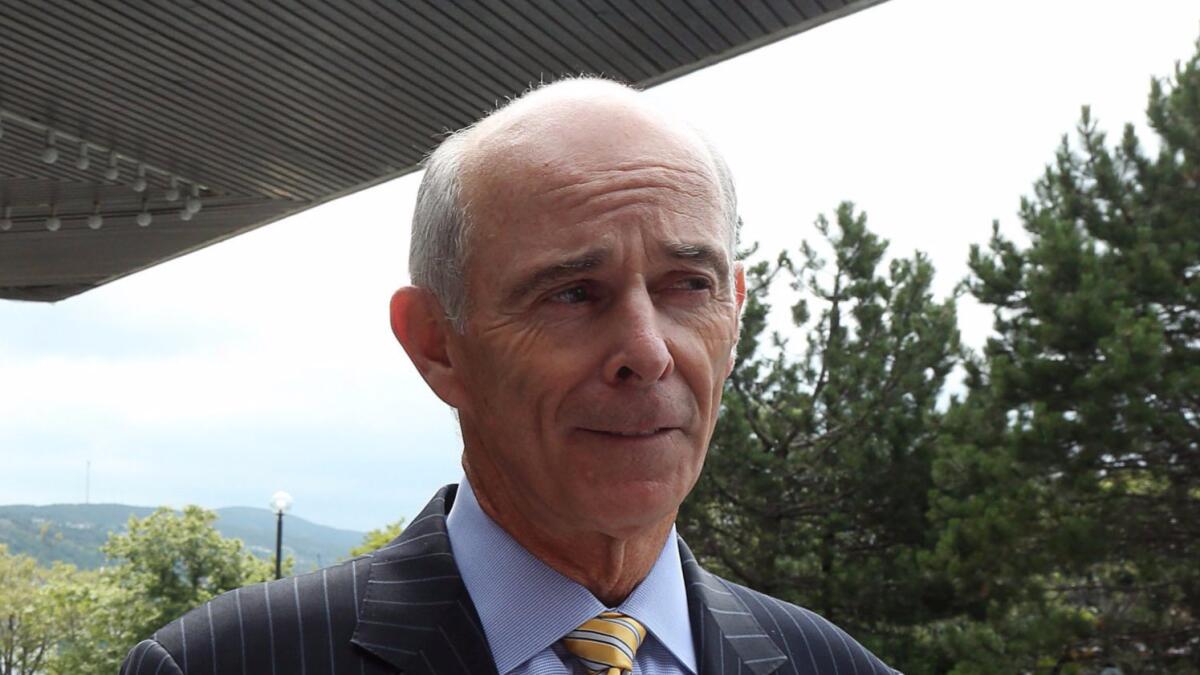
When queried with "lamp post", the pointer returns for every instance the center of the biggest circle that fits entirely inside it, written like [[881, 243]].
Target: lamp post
[[280, 503]]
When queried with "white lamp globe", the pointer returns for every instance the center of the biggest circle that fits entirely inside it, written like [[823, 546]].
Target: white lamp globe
[[281, 502]]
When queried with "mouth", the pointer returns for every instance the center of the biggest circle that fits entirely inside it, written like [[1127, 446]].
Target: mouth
[[619, 433]]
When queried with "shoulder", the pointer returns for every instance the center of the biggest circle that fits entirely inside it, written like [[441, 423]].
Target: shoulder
[[306, 618], [149, 658], [812, 643]]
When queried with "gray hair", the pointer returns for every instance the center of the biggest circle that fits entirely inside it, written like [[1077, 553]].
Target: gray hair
[[437, 253], [442, 221]]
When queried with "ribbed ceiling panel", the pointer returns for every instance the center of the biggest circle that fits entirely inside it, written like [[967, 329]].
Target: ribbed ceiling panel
[[272, 107]]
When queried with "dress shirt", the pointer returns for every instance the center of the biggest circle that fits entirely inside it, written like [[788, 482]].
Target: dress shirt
[[526, 607]]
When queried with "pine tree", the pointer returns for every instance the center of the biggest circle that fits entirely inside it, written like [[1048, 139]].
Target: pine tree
[[815, 484], [1070, 484]]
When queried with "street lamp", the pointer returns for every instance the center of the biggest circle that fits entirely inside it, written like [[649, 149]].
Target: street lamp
[[280, 503]]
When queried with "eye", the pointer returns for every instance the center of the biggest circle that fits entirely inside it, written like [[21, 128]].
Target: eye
[[692, 284], [571, 295]]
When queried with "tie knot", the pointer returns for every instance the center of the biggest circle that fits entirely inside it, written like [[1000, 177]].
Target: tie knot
[[607, 643]]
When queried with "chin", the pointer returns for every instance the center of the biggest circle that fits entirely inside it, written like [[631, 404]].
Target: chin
[[631, 506]]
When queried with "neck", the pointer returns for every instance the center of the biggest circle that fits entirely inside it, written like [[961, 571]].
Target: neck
[[609, 566]]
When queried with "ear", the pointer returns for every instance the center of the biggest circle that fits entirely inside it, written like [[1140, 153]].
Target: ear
[[422, 328], [739, 287], [739, 294]]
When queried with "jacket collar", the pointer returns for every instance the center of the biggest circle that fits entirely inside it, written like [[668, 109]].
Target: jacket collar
[[727, 635], [417, 616]]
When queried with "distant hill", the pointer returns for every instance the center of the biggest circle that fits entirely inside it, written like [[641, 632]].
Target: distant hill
[[74, 533]]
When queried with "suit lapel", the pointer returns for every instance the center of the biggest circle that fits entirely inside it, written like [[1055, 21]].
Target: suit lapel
[[416, 614], [728, 637]]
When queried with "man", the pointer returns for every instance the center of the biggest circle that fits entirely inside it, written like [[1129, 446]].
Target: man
[[576, 301]]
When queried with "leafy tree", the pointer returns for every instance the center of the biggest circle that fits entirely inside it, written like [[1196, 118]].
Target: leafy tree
[[60, 620], [175, 561], [97, 620], [1069, 485], [63, 621], [378, 538], [815, 488], [26, 631]]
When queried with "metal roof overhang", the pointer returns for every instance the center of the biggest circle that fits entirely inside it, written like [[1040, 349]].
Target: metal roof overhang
[[257, 110]]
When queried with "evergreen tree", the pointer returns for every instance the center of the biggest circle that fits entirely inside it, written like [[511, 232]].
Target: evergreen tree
[[817, 475], [1070, 481]]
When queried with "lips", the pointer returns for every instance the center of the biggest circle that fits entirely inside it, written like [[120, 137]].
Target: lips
[[632, 433], [647, 413]]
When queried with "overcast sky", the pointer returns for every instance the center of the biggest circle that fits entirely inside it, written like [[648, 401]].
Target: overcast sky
[[266, 362]]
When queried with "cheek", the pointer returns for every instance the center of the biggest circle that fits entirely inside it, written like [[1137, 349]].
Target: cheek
[[505, 355], [521, 372], [703, 350]]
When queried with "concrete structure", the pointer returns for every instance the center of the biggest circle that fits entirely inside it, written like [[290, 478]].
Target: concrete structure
[[134, 132]]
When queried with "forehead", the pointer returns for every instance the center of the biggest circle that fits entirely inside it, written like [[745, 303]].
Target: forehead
[[561, 169]]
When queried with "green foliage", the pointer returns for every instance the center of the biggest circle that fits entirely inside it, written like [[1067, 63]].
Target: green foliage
[[816, 477], [1049, 519], [64, 621], [1069, 479], [1046, 521], [177, 561], [26, 628], [378, 538], [97, 619]]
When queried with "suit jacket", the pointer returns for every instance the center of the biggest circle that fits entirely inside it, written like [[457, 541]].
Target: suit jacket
[[404, 608]]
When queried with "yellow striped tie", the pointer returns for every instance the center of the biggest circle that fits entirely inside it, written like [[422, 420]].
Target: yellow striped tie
[[607, 643]]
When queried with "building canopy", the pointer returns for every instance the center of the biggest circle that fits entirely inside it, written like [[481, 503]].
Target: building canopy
[[132, 133]]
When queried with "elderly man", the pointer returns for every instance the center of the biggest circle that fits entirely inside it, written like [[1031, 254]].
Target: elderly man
[[576, 301]]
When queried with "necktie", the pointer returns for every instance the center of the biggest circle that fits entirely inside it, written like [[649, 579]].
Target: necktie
[[607, 643]]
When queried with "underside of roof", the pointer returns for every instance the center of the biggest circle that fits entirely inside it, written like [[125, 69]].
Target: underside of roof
[[135, 132]]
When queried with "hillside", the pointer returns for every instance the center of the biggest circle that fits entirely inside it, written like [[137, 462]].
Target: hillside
[[74, 533]]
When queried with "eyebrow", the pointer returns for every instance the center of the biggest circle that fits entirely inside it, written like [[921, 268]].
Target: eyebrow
[[702, 254], [552, 274], [545, 277]]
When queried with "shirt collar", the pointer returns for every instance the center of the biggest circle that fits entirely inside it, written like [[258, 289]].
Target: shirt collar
[[526, 607]]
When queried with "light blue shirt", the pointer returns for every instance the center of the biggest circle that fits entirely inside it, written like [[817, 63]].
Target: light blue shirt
[[526, 607]]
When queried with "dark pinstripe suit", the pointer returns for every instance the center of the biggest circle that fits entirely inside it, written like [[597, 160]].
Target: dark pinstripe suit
[[404, 608]]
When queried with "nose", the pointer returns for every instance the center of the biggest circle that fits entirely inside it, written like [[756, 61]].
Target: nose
[[639, 354]]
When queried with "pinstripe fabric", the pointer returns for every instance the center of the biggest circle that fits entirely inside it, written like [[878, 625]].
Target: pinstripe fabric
[[404, 609], [739, 630]]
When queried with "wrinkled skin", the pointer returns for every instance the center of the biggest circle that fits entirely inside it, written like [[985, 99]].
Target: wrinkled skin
[[602, 315]]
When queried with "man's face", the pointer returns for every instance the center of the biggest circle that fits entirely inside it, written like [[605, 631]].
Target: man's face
[[603, 310]]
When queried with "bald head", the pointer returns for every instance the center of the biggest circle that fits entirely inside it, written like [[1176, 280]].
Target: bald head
[[568, 131]]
